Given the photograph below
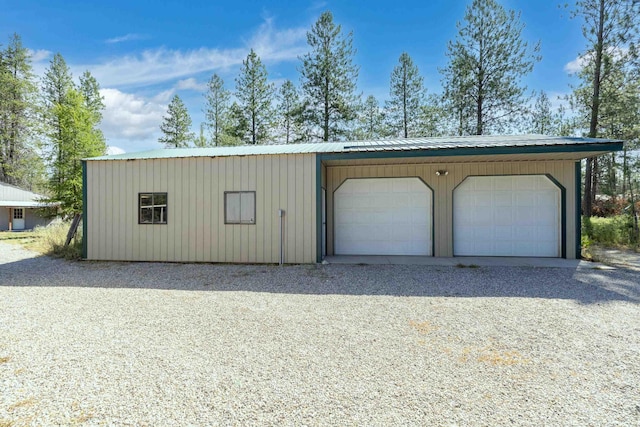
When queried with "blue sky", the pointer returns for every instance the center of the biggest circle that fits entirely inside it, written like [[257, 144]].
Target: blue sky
[[143, 52]]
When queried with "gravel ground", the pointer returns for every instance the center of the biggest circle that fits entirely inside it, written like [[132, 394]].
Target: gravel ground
[[177, 344]]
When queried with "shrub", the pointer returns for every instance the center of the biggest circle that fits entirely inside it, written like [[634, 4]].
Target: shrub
[[612, 231], [50, 240]]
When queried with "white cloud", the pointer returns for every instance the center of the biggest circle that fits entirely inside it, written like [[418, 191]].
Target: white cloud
[[126, 38], [130, 117], [581, 61], [39, 55], [190, 84], [112, 149], [161, 64]]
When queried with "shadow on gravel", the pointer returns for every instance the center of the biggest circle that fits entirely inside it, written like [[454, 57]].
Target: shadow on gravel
[[586, 286]]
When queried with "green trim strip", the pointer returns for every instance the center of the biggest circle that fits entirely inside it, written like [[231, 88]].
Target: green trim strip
[[563, 214], [84, 210], [482, 151], [318, 208], [578, 210]]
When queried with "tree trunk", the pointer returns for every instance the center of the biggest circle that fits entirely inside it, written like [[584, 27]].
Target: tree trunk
[[589, 191]]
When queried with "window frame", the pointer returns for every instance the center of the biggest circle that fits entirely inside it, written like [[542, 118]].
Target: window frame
[[152, 207], [240, 222]]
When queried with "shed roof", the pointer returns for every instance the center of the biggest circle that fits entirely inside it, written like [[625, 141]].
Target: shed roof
[[15, 197], [385, 145]]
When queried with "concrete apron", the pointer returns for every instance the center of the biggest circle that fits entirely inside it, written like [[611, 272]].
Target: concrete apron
[[463, 261]]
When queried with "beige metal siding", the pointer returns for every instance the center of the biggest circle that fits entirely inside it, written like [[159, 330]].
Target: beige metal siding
[[195, 188], [443, 186]]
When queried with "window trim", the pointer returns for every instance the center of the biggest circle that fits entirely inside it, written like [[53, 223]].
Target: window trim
[[152, 193], [227, 221]]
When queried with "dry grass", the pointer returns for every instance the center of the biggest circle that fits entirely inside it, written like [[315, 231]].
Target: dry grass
[[423, 328], [4, 359], [47, 240]]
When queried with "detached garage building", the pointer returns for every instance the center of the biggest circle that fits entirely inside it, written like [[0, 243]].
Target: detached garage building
[[458, 196]]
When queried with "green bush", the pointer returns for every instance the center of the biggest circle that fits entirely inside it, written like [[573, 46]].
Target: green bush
[[612, 231], [51, 239]]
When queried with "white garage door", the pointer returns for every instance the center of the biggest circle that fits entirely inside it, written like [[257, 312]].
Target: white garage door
[[506, 216], [383, 216]]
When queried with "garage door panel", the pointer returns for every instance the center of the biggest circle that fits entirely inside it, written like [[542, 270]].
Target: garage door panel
[[383, 216], [507, 216]]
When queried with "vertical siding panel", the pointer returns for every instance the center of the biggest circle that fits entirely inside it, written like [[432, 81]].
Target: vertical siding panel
[[244, 229], [308, 204], [142, 229], [268, 193], [237, 229], [252, 230], [283, 186], [153, 230], [228, 229], [184, 208], [121, 200], [290, 162], [222, 228], [172, 208], [131, 207], [214, 201], [206, 211], [199, 203], [299, 203], [257, 240], [276, 187], [94, 216], [192, 208], [162, 241]]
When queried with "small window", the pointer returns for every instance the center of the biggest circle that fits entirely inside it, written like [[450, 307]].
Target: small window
[[152, 208], [240, 207], [18, 213]]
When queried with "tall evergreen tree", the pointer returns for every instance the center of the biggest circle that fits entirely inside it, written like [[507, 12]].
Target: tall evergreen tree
[[406, 97], [78, 140], [607, 27], [18, 122], [434, 119], [90, 90], [176, 125], [290, 110], [56, 85], [371, 120], [541, 117], [329, 78], [216, 109], [486, 64], [255, 97]]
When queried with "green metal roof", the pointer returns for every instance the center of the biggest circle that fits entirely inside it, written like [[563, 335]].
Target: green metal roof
[[383, 145]]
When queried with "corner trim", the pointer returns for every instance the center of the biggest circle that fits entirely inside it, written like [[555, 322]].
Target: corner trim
[[318, 208], [578, 225], [85, 227]]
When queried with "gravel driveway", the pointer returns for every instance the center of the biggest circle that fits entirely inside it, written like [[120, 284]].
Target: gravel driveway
[[177, 344]]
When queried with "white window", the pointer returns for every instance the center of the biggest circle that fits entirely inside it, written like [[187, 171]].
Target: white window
[[240, 207], [152, 208], [18, 213]]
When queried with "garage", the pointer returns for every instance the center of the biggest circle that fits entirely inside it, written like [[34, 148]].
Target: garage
[[383, 216], [507, 216]]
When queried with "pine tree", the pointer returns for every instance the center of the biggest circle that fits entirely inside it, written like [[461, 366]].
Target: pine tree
[[201, 140], [216, 109], [541, 116], [77, 140], [371, 120], [176, 125], [434, 118], [487, 61], [607, 27], [329, 78], [255, 97], [290, 110], [236, 133], [406, 97], [56, 85], [18, 123]]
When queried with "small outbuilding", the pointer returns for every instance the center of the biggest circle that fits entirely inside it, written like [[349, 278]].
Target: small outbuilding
[[443, 197], [20, 209]]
